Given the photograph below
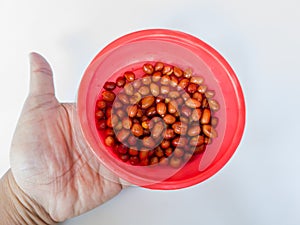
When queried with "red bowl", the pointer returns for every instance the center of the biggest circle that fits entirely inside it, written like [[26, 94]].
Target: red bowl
[[185, 51]]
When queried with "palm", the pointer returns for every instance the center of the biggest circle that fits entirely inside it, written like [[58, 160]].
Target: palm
[[51, 162]]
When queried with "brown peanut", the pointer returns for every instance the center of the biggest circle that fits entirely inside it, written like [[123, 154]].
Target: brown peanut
[[205, 118], [209, 131], [169, 119], [193, 103], [148, 68], [147, 102], [154, 88], [137, 130]]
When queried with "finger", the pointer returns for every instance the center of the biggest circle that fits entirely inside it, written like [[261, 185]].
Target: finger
[[41, 76]]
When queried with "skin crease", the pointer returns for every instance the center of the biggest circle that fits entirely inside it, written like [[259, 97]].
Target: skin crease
[[50, 160]]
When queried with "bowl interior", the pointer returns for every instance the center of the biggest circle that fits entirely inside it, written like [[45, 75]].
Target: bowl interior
[[130, 53]]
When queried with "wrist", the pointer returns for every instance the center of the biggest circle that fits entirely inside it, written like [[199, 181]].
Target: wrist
[[16, 207]]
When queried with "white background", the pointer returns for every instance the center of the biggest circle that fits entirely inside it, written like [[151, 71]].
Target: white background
[[259, 38]]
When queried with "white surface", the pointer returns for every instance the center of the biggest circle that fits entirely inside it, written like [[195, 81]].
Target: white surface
[[260, 39]]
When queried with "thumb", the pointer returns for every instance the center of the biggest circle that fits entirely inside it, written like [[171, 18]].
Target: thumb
[[41, 76]]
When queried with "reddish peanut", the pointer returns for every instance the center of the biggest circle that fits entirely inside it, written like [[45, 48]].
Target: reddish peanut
[[101, 104], [123, 98], [126, 123], [205, 118], [209, 94], [122, 135], [132, 151], [192, 88], [154, 160], [154, 88], [183, 83], [117, 104], [170, 134], [202, 89], [121, 149], [139, 113], [177, 72], [193, 103], [194, 131], [146, 80], [209, 131], [145, 124], [196, 80], [159, 152], [179, 142], [180, 128], [132, 110], [174, 94], [161, 108], [129, 76], [158, 66], [164, 90], [169, 151], [204, 103], [132, 140], [186, 111], [137, 130], [151, 111], [135, 98], [196, 141], [99, 114], [108, 96], [120, 113], [101, 124], [156, 76], [134, 160], [167, 70], [199, 149], [128, 89], [148, 142], [144, 90], [172, 107], [108, 112], [165, 144], [214, 105], [121, 81], [157, 129], [214, 121], [109, 85], [147, 102], [169, 119], [198, 96], [143, 154], [148, 68], [188, 73], [109, 141], [196, 115], [165, 80], [137, 84], [174, 81]]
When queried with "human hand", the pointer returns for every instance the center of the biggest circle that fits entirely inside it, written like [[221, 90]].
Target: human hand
[[50, 160]]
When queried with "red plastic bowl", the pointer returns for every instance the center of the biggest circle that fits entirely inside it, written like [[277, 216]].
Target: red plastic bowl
[[185, 51]]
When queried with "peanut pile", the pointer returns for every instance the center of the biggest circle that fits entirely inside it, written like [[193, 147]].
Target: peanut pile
[[166, 117]]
